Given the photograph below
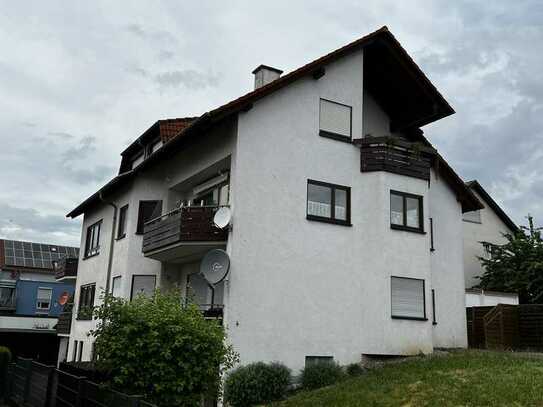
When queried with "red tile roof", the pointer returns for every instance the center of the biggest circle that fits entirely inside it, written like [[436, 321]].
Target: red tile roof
[[169, 128]]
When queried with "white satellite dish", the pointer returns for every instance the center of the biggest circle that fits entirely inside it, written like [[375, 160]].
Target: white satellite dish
[[215, 265], [222, 217]]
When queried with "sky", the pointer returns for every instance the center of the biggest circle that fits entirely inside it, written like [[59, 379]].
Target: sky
[[80, 80]]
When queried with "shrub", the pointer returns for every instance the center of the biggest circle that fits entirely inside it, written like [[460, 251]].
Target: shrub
[[320, 374], [257, 383], [354, 369], [161, 349], [5, 358]]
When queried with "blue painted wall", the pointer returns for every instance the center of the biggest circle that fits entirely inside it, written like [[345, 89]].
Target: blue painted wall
[[27, 294]]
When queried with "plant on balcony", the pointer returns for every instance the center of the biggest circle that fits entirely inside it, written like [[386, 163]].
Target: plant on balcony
[[161, 349]]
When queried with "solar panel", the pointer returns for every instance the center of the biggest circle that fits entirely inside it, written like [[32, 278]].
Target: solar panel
[[35, 255]]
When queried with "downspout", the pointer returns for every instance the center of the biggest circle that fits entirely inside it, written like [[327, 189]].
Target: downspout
[[111, 241]]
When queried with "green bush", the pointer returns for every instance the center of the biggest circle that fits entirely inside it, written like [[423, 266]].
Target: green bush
[[354, 369], [5, 358], [161, 349], [320, 374], [257, 383]]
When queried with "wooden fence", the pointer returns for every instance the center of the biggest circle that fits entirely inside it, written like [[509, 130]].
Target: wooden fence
[[506, 327], [32, 384]]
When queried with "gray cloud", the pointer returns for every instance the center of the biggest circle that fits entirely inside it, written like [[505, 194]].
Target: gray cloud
[[104, 76], [189, 78]]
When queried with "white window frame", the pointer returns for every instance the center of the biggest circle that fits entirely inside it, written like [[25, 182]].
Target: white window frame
[[40, 300]]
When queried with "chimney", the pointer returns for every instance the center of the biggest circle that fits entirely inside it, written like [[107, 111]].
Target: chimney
[[265, 74]]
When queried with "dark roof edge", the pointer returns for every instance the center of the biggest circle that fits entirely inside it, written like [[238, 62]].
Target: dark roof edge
[[474, 184]]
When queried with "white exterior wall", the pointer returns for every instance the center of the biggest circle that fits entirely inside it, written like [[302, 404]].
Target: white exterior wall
[[447, 267], [490, 230], [297, 287], [128, 259], [490, 299]]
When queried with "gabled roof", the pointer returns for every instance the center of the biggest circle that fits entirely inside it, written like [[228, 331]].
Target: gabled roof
[[381, 42], [474, 184]]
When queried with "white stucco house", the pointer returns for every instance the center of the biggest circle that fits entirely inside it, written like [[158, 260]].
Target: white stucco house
[[488, 224], [347, 231]]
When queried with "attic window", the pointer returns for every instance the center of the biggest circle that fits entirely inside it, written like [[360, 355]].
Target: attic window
[[473, 216], [335, 120], [155, 145], [138, 160]]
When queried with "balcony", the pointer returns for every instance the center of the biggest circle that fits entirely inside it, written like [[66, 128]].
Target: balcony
[[183, 233], [395, 155], [66, 268], [64, 323]]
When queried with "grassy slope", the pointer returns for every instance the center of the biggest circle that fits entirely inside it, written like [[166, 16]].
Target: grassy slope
[[460, 379]]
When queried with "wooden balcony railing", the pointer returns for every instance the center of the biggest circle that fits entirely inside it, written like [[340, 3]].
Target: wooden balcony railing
[[185, 224], [395, 155], [66, 267], [64, 324]]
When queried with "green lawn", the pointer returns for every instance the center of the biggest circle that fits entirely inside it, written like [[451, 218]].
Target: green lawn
[[463, 378]]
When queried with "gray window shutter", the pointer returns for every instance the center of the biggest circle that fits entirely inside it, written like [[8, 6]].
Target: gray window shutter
[[335, 118], [407, 297], [143, 285]]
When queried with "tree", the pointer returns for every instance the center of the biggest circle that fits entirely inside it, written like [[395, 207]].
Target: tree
[[161, 349], [517, 265]]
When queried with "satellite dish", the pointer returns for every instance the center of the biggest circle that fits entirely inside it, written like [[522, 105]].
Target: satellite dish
[[222, 217], [215, 265]]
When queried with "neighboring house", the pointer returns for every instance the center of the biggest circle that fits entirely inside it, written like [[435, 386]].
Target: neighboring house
[[31, 296], [347, 224], [488, 224]]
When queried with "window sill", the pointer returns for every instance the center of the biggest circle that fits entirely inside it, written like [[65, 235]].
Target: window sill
[[328, 220], [335, 136], [472, 221], [120, 237], [434, 323], [91, 255], [409, 318], [407, 229]]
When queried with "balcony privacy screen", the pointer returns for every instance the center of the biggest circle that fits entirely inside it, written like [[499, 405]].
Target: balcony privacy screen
[[335, 118], [407, 297]]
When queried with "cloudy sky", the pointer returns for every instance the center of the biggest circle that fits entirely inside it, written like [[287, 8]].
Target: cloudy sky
[[80, 80]]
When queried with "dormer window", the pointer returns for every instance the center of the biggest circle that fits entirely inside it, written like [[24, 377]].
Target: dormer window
[[155, 145], [137, 160]]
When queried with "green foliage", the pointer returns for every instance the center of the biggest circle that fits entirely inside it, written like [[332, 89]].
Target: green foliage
[[5, 358], [257, 383], [517, 265], [320, 374], [464, 378], [161, 349], [354, 369]]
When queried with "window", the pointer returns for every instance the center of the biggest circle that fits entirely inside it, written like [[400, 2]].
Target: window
[[142, 284], [92, 243], [155, 145], [148, 210], [473, 216], [408, 301], [43, 299], [86, 301], [137, 160], [7, 297], [328, 202], [335, 120], [116, 287], [406, 212], [121, 228], [80, 354], [314, 360]]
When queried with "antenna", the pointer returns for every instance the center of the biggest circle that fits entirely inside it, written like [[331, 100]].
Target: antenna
[[214, 266], [223, 217]]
